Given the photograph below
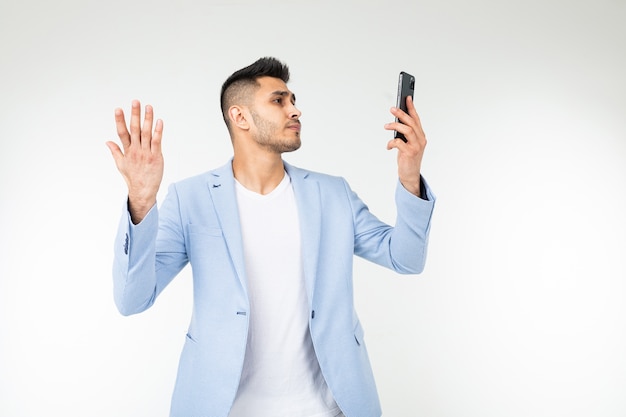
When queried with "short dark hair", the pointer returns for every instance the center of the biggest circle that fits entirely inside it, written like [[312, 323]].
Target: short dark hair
[[236, 87]]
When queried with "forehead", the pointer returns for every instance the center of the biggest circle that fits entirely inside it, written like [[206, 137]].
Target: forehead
[[271, 85]]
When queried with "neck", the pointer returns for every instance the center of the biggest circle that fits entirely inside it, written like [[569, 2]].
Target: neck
[[259, 172]]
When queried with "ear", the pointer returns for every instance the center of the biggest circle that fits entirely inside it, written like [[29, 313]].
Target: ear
[[238, 117]]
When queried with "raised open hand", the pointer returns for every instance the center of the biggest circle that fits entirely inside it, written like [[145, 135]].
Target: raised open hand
[[141, 161]]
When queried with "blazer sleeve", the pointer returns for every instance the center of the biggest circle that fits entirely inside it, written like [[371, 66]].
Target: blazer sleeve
[[147, 256], [402, 247]]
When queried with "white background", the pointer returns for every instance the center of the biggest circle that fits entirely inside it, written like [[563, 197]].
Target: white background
[[521, 310]]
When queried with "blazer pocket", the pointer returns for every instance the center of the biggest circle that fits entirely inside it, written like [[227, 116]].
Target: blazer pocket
[[206, 248]]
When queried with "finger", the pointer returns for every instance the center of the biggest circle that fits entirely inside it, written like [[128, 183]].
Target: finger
[[402, 116], [156, 137], [146, 131], [410, 106], [412, 120], [122, 131], [407, 131], [115, 151], [397, 144], [135, 120], [413, 113]]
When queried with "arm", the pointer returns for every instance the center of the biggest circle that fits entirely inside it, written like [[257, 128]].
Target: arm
[[403, 247], [141, 166], [148, 255]]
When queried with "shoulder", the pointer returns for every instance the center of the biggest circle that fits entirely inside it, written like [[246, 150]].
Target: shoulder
[[300, 173], [217, 175], [191, 184]]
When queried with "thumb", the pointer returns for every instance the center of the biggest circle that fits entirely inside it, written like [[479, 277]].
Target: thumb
[[115, 150], [393, 143]]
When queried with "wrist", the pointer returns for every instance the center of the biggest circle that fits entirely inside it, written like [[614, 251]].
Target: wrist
[[414, 187], [139, 207]]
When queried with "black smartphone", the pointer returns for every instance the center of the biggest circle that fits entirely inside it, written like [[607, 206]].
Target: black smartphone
[[406, 87]]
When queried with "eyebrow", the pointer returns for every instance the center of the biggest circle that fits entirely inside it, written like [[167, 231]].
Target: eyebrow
[[283, 93]]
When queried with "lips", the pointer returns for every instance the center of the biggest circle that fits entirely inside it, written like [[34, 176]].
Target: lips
[[295, 126]]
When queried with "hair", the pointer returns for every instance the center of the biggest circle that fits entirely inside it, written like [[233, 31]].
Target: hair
[[238, 87]]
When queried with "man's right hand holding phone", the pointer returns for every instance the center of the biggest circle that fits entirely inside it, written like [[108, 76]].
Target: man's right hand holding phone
[[410, 153]]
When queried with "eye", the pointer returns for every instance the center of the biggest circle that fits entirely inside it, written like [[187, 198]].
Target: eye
[[278, 100]]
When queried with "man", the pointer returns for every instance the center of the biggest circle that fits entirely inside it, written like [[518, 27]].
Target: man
[[273, 330]]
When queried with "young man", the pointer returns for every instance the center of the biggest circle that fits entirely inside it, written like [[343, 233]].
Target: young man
[[273, 331]]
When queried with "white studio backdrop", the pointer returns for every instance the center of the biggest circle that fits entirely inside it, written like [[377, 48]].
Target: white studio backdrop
[[521, 310]]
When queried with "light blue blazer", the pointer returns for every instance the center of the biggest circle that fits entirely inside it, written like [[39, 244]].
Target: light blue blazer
[[198, 223]]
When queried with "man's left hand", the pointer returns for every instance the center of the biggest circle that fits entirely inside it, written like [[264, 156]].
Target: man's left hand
[[410, 153]]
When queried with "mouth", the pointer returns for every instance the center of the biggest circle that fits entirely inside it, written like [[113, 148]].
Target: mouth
[[297, 126]]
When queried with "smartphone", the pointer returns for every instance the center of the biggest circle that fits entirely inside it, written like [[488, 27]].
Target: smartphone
[[406, 87]]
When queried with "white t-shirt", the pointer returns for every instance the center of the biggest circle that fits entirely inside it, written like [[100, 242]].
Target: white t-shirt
[[281, 375]]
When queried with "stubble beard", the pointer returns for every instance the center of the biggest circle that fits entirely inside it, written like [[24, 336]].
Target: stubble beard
[[265, 136]]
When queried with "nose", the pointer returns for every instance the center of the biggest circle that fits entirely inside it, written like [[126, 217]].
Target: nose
[[294, 113]]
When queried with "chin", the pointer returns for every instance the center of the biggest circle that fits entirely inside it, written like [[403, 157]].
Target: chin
[[292, 148]]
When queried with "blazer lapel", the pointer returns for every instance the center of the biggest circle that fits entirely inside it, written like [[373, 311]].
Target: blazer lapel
[[221, 185], [307, 195]]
